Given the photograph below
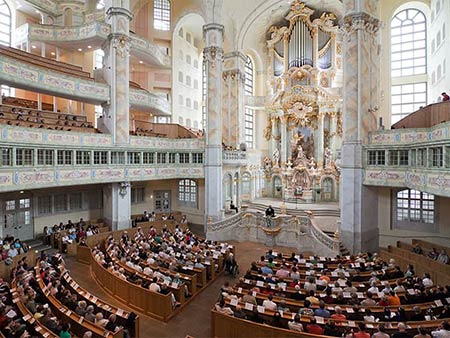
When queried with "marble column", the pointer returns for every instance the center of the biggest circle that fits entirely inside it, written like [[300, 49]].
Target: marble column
[[117, 205], [333, 131], [320, 139], [117, 71], [359, 204], [284, 142], [233, 107], [213, 58]]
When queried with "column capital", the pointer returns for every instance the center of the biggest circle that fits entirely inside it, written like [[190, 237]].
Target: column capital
[[213, 34], [118, 11], [360, 21]]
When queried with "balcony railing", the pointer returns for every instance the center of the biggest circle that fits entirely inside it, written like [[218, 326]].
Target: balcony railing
[[234, 157]]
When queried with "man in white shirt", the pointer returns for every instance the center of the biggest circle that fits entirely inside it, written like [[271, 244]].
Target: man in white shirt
[[443, 331], [154, 285], [269, 304], [295, 325]]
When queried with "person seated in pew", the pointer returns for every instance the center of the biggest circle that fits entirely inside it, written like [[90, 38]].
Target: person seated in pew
[[100, 321], [283, 307], [221, 307], [314, 328], [433, 254], [249, 298], [112, 323], [443, 257], [295, 324], [65, 331], [321, 311], [276, 320], [89, 314], [239, 313]]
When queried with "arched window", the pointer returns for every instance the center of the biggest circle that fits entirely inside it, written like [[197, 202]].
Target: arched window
[[408, 58], [408, 43], [5, 35], [415, 206], [249, 76], [187, 192], [181, 33], [161, 14]]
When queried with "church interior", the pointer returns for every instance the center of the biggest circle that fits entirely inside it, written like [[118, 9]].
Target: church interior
[[224, 168]]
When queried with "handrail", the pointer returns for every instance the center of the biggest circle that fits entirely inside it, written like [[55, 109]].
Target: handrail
[[323, 238]]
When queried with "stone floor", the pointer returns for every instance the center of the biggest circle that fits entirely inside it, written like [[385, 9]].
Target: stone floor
[[195, 318]]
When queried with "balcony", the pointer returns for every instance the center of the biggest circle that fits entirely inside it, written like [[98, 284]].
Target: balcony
[[92, 159], [234, 157], [415, 158], [92, 33]]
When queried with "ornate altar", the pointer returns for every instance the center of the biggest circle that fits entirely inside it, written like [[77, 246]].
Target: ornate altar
[[304, 128]]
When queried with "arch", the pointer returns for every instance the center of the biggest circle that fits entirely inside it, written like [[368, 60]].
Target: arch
[[408, 59], [68, 16], [6, 19], [327, 188], [246, 186], [277, 184]]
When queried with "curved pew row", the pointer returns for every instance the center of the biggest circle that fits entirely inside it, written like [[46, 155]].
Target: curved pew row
[[78, 324], [124, 318], [225, 326], [28, 317], [153, 304]]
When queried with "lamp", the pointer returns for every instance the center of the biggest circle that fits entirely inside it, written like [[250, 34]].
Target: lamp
[[123, 188]]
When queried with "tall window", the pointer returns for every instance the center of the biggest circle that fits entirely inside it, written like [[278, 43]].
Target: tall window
[[204, 95], [415, 206], [409, 43], [407, 98], [161, 14], [5, 24], [5, 36], [249, 115], [187, 192], [249, 76], [408, 58]]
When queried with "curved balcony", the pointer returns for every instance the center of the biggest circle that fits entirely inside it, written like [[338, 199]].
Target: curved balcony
[[19, 176], [92, 33], [39, 76]]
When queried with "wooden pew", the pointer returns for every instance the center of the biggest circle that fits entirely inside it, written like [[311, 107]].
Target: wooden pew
[[121, 315], [78, 324], [28, 317], [150, 303], [440, 273]]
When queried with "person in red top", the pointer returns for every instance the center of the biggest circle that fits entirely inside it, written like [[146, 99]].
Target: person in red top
[[445, 97], [361, 333], [314, 328]]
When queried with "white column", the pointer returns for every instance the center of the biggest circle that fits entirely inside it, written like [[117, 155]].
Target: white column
[[213, 58], [284, 142], [117, 71], [320, 139], [117, 205], [359, 204]]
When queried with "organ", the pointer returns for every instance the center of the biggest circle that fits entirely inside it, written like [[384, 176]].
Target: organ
[[304, 128]]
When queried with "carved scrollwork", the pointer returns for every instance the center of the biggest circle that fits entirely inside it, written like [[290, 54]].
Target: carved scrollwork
[[360, 21], [213, 55], [122, 43]]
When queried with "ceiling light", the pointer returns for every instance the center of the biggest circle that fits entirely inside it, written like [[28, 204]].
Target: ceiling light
[[37, 11], [141, 61], [33, 46], [53, 53], [80, 49], [89, 47]]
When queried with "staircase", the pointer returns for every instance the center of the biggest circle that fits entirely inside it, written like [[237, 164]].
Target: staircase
[[38, 245], [342, 249]]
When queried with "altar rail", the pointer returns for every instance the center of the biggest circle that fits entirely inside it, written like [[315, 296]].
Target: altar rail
[[284, 230]]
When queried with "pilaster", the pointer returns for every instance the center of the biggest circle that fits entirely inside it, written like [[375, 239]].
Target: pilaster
[[233, 98], [359, 204]]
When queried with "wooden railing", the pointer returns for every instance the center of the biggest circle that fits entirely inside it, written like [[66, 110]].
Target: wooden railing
[[440, 273], [426, 117], [150, 303]]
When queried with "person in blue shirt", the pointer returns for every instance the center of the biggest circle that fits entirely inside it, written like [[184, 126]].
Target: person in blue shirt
[[266, 270], [321, 311]]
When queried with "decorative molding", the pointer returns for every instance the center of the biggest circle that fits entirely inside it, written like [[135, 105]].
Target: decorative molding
[[360, 21], [122, 44]]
